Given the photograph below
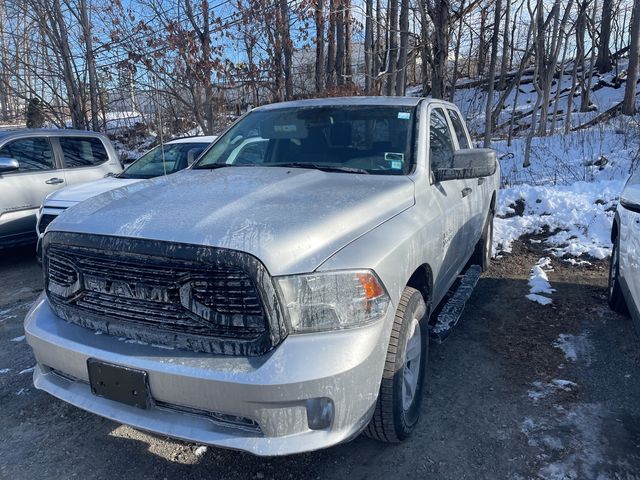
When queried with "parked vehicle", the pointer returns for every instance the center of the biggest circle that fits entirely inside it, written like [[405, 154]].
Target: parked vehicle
[[35, 163], [169, 158], [279, 303], [624, 273]]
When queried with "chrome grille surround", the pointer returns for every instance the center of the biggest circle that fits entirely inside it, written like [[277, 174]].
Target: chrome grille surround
[[191, 297]]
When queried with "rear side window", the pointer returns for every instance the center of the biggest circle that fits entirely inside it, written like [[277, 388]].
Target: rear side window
[[83, 152], [459, 129], [440, 141], [31, 153]]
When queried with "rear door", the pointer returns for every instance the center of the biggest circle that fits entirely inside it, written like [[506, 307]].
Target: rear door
[[24, 190], [84, 159]]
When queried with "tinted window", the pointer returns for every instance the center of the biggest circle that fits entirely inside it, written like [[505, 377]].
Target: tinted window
[[441, 143], [82, 152], [161, 161], [377, 139], [31, 153], [463, 142]]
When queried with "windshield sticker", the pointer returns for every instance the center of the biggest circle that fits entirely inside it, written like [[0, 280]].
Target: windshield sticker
[[396, 160], [404, 115]]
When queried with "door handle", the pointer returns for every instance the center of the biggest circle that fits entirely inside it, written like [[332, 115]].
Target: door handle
[[466, 191], [480, 180], [54, 181]]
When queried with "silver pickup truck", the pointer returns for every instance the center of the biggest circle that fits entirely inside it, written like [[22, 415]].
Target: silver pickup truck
[[275, 297]]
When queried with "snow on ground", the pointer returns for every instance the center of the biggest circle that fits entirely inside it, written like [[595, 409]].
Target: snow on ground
[[569, 192], [539, 282], [574, 347], [578, 217], [571, 439], [543, 390]]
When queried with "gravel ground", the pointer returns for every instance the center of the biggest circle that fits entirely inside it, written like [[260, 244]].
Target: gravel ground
[[518, 390]]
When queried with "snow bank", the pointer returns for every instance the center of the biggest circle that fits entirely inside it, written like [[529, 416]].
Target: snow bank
[[578, 216]]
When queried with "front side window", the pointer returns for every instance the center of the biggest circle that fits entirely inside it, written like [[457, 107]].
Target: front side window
[[164, 160], [366, 139], [82, 152], [440, 141], [32, 154]]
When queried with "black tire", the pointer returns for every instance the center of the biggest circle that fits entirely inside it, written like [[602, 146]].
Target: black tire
[[391, 421], [615, 297], [482, 251]]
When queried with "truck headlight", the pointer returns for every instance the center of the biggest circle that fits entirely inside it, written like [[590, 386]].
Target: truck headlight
[[333, 300]]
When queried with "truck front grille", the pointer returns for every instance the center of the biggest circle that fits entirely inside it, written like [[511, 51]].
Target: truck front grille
[[198, 298]]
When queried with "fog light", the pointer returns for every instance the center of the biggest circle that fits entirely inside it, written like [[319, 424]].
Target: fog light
[[319, 413]]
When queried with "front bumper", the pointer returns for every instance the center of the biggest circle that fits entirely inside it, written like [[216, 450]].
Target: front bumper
[[277, 391]]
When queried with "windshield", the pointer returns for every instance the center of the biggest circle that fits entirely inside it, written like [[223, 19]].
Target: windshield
[[177, 156], [367, 139]]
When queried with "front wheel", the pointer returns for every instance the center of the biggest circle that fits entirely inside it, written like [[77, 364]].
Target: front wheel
[[615, 297], [397, 409]]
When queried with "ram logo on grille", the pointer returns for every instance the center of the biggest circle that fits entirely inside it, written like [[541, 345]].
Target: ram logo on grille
[[119, 288]]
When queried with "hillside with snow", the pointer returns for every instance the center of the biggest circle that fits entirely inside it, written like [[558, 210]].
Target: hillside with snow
[[568, 195]]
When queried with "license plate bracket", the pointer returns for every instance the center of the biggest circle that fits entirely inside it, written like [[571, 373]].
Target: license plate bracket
[[121, 384]]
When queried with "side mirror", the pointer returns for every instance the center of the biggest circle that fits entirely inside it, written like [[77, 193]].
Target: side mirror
[[8, 164], [469, 163]]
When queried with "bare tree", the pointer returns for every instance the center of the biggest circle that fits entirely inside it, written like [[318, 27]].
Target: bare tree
[[491, 77], [401, 78], [603, 63], [629, 103]]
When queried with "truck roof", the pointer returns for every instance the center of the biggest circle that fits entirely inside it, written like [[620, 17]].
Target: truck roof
[[350, 101]]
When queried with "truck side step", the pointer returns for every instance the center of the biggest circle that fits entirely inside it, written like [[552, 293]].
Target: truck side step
[[453, 308]]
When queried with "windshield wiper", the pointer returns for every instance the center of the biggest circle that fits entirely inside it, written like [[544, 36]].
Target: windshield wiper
[[317, 166], [211, 166]]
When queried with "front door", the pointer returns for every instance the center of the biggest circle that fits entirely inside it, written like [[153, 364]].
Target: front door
[[22, 191]]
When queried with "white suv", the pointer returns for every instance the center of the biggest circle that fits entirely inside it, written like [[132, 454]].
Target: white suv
[[37, 162], [164, 159]]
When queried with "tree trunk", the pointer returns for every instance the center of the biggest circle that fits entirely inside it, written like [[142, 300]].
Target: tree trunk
[[91, 64], [340, 44], [287, 44], [491, 78], [348, 60], [482, 42], [456, 57], [319, 19], [504, 62], [629, 103], [368, 48], [392, 54], [401, 79], [441, 24], [587, 76], [331, 46], [603, 64]]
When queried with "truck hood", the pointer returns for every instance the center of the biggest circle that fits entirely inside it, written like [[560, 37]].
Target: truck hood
[[291, 219], [77, 193]]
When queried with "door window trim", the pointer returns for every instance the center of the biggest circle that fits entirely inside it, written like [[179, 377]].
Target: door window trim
[[60, 151], [57, 166], [443, 107]]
